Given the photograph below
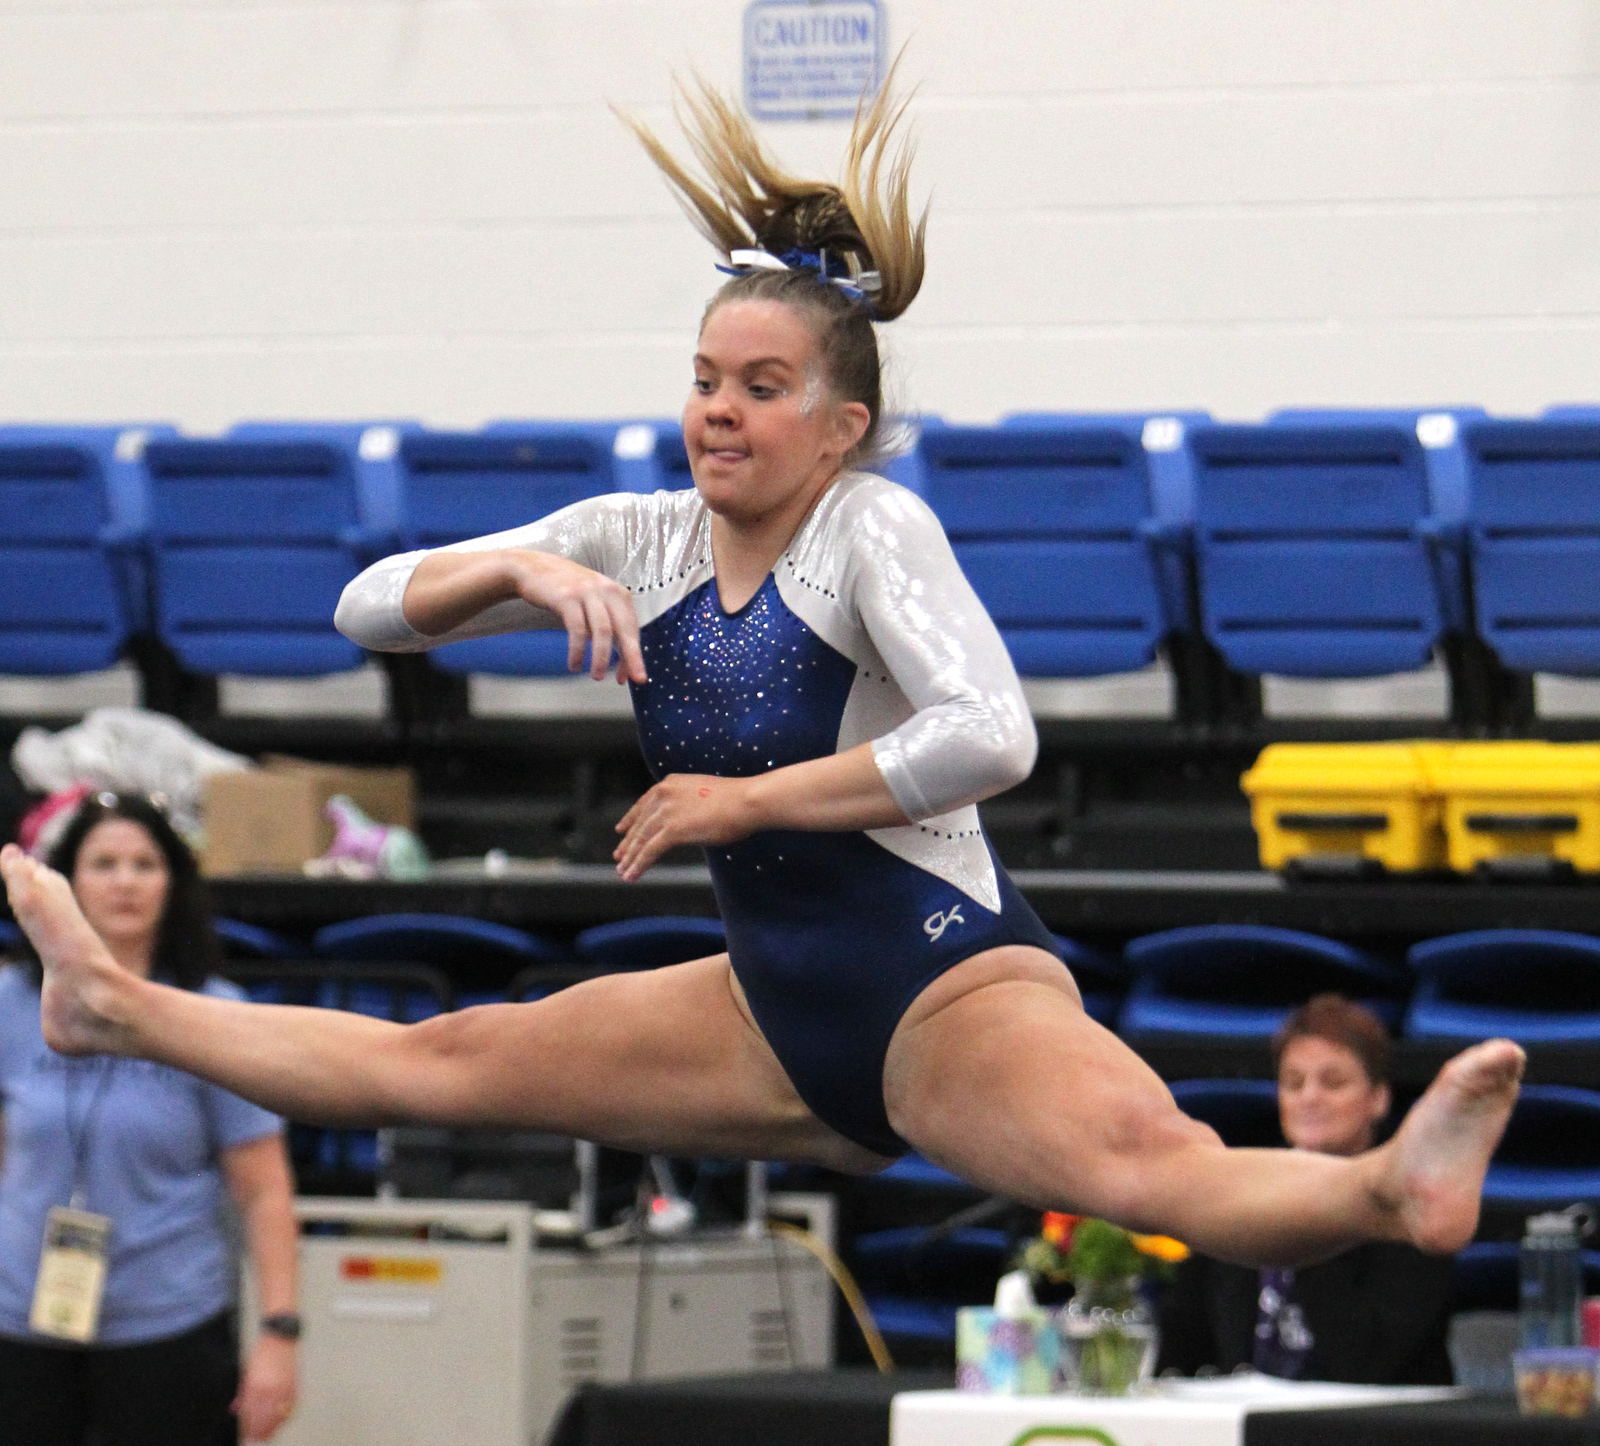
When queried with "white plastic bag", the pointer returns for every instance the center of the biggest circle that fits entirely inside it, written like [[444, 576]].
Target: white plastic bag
[[126, 750]]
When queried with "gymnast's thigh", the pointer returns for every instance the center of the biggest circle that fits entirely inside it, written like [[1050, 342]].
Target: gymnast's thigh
[[666, 1060], [997, 1073]]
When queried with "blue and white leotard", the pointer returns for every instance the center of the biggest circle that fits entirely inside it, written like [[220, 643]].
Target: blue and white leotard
[[866, 630]]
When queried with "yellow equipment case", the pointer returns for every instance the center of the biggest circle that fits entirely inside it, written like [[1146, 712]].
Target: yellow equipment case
[[1522, 807], [1347, 806]]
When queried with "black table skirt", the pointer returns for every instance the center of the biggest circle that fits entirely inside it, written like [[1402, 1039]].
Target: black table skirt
[[1481, 1422], [851, 1408], [791, 1408]]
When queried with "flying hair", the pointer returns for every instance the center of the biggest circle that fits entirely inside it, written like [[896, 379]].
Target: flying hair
[[746, 200]]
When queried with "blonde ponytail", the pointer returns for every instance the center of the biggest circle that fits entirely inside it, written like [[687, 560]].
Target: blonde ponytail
[[747, 201]]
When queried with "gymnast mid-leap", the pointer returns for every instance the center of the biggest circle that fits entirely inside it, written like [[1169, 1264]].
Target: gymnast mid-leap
[[824, 702]]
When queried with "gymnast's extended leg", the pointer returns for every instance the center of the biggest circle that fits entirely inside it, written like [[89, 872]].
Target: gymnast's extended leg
[[998, 1074], [665, 1059]]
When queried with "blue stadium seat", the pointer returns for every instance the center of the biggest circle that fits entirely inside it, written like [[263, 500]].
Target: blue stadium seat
[[914, 1170], [1244, 980], [1102, 979], [1160, 436], [356, 1151], [1487, 1275], [1536, 986], [1438, 431], [444, 940], [336, 1159], [1317, 549], [250, 941], [1056, 528], [73, 582], [899, 1318], [1243, 1111], [1534, 541], [650, 943], [267, 987], [471, 998], [968, 1241], [1550, 1155], [385, 989], [373, 447], [456, 485], [631, 443], [892, 1262], [253, 537], [382, 1000], [670, 461]]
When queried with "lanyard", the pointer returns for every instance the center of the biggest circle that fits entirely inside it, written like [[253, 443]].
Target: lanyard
[[80, 1130]]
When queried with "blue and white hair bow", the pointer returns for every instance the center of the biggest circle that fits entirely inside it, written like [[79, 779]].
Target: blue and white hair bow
[[862, 286]]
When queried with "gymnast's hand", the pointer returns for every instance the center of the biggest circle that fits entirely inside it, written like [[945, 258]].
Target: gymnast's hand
[[451, 588], [684, 808], [595, 610]]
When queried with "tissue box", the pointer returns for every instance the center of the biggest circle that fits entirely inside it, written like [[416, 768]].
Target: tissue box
[[1007, 1357]]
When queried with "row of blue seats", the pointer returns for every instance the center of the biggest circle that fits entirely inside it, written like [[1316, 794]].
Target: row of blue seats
[[448, 940], [1234, 980], [1322, 544], [1537, 986]]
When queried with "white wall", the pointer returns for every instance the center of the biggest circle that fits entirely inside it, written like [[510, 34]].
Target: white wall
[[221, 208]]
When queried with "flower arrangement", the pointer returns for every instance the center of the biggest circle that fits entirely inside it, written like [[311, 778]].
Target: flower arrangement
[[1085, 1252], [1107, 1329]]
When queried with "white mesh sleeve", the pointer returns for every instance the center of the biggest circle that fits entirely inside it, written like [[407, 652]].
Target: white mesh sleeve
[[594, 532], [972, 734]]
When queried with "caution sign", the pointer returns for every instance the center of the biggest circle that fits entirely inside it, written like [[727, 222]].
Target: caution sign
[[811, 59]]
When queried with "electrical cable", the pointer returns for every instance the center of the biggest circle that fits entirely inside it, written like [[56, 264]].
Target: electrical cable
[[847, 1288], [780, 1267]]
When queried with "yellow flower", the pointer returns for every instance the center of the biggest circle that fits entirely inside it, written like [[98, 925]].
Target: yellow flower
[[1162, 1247]]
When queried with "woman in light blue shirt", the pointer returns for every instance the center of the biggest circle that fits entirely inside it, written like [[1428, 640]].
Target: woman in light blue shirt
[[155, 1152]]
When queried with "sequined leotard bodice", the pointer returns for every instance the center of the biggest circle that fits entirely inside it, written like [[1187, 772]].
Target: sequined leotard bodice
[[865, 631]]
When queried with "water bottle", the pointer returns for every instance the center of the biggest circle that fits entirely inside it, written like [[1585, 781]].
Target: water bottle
[[1552, 1280]]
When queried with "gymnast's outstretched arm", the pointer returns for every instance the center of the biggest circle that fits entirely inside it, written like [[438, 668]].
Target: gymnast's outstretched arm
[[554, 573]]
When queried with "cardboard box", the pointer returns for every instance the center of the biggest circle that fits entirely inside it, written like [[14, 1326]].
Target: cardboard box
[[270, 820]]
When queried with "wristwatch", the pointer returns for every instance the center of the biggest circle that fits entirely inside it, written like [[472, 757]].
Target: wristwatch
[[285, 1325]]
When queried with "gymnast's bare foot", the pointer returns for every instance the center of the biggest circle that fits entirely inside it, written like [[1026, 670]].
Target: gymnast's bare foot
[[81, 980], [1432, 1176]]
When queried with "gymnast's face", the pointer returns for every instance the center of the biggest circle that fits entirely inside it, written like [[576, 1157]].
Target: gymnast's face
[[764, 430], [121, 882], [1326, 1100]]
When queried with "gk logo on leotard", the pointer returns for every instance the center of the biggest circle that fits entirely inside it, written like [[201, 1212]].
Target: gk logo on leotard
[[936, 923]]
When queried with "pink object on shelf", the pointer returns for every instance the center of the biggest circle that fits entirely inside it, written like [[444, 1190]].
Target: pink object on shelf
[[355, 836], [1591, 1321]]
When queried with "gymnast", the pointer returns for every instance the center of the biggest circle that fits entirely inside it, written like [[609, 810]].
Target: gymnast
[[823, 702]]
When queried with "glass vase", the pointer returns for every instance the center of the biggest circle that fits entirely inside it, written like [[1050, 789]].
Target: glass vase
[[1108, 1338]]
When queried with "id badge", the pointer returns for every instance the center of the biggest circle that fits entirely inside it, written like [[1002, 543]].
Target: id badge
[[72, 1274]]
